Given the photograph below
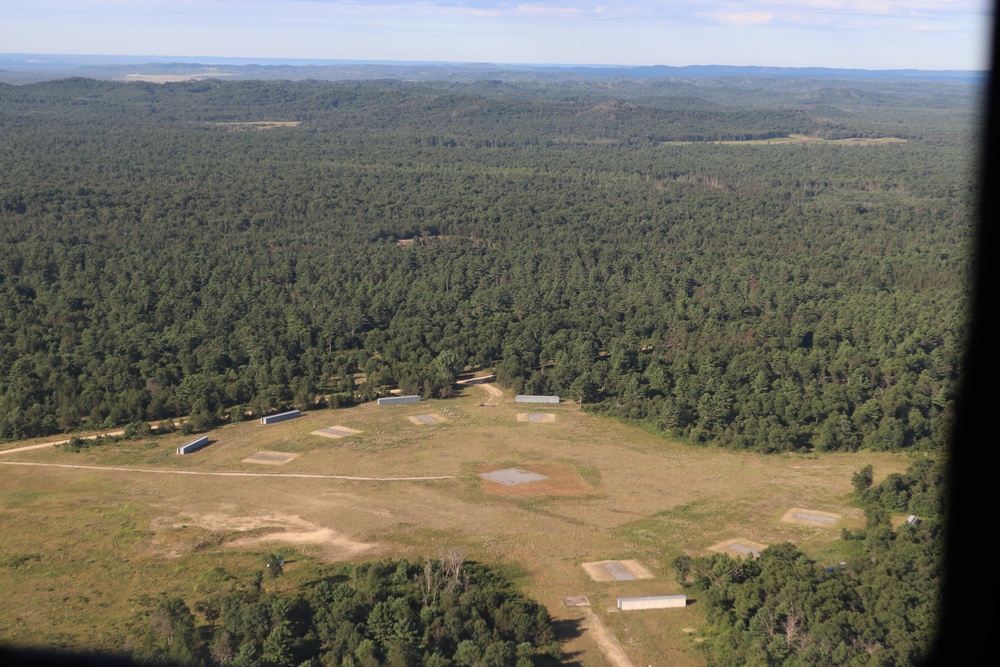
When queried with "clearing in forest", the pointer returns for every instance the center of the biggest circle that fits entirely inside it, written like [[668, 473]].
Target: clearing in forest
[[608, 488], [802, 139], [258, 124]]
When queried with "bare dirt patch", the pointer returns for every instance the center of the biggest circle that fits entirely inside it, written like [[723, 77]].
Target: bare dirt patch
[[600, 570], [280, 528], [536, 417], [484, 384], [270, 458], [738, 547], [561, 480], [802, 517], [336, 432]]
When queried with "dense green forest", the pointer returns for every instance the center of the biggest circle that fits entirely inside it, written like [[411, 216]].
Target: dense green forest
[[881, 607], [585, 239], [434, 613]]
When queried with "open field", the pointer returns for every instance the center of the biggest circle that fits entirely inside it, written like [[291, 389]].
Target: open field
[[80, 545]]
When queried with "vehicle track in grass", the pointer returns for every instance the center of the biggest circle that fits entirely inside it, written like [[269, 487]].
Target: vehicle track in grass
[[349, 478]]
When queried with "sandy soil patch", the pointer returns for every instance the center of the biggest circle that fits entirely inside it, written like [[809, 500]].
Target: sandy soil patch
[[280, 528], [562, 480], [337, 431], [432, 418], [270, 458], [738, 547], [805, 517], [599, 570], [536, 417]]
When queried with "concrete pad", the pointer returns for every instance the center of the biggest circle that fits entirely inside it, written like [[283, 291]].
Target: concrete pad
[[599, 571], [575, 601], [536, 417], [807, 517], [270, 458], [739, 546], [618, 571], [433, 418], [513, 476], [336, 432]]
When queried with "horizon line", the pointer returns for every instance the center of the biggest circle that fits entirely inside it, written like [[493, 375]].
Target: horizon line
[[250, 60]]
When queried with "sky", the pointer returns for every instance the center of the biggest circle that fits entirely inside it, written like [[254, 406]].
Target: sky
[[866, 34]]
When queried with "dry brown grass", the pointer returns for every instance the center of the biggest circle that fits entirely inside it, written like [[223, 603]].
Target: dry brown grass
[[104, 537]]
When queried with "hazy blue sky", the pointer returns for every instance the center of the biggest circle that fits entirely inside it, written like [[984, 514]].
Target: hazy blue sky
[[870, 34]]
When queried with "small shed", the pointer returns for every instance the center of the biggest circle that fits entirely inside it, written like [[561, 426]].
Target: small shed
[[522, 398], [397, 400], [655, 602], [194, 445], [280, 417]]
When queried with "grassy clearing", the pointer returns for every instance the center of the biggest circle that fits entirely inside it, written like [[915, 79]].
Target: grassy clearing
[[80, 546], [803, 139]]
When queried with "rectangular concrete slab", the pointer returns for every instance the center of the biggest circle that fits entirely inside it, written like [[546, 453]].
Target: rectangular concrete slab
[[336, 432], [814, 517], [512, 476], [536, 417], [575, 601], [742, 549], [270, 458], [618, 571], [432, 418], [599, 572]]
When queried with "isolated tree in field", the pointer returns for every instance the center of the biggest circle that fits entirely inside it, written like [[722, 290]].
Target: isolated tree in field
[[862, 479], [275, 565]]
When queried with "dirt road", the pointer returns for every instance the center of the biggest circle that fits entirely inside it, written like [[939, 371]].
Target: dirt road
[[226, 474], [58, 442], [606, 641], [482, 382]]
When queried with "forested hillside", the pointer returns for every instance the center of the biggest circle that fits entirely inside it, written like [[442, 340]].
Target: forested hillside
[[160, 258]]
